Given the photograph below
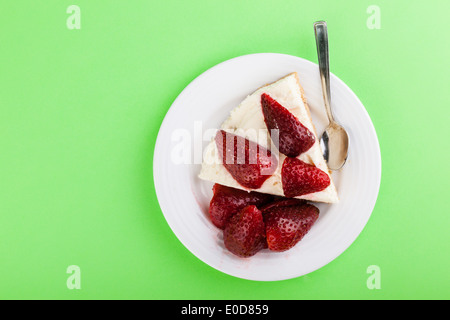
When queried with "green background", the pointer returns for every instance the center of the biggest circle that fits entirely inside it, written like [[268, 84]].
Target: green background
[[80, 111]]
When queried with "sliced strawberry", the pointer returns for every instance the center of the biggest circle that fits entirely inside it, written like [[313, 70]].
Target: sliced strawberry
[[248, 162], [227, 201], [292, 137], [299, 178], [244, 234], [286, 226]]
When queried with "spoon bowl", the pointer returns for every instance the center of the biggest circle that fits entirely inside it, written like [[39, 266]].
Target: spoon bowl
[[334, 142]]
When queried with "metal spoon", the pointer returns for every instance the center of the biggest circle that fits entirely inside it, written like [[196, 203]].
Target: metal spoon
[[334, 140]]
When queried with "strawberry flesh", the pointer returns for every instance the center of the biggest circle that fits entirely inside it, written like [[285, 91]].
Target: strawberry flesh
[[244, 234], [249, 163], [286, 226], [290, 136], [227, 201], [299, 178]]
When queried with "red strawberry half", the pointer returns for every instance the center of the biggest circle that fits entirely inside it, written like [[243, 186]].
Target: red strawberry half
[[244, 234], [299, 178], [292, 137], [227, 201], [248, 162], [286, 226]]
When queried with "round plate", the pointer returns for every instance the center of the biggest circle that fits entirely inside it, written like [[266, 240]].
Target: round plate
[[184, 198]]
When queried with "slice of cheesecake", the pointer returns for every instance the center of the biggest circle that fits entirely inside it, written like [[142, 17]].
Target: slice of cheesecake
[[269, 144]]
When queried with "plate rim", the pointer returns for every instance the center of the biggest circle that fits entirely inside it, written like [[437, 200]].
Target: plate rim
[[206, 73]]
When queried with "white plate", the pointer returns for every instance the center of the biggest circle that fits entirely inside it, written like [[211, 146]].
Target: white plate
[[184, 199]]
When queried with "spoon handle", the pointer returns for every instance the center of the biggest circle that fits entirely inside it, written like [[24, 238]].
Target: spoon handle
[[320, 30]]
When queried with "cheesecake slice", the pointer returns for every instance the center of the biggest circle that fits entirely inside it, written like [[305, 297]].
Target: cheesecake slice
[[273, 125]]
